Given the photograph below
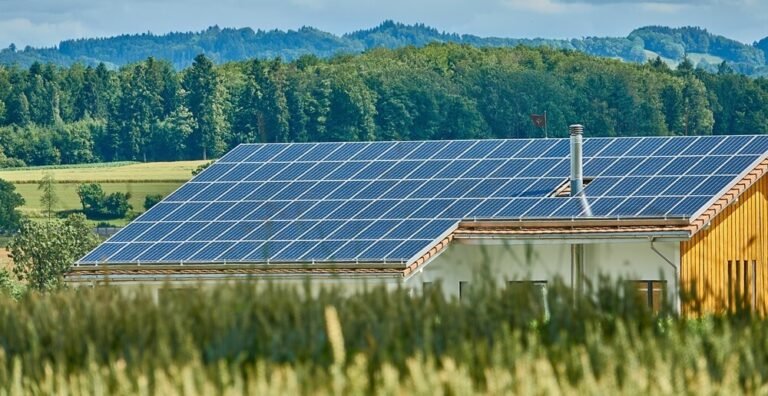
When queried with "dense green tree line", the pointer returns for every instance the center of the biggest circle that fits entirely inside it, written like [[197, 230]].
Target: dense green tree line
[[149, 111]]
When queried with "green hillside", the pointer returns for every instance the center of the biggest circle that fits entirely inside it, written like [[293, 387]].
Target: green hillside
[[228, 44]]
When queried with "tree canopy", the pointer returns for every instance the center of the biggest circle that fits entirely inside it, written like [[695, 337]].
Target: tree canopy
[[10, 200], [149, 111], [43, 251]]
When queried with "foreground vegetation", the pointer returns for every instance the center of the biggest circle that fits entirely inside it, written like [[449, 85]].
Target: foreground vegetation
[[277, 340]]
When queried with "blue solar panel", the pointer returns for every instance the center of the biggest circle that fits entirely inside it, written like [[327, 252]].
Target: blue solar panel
[[434, 229], [400, 150], [186, 192], [266, 191], [348, 189], [294, 210], [378, 250], [240, 153], [514, 208], [337, 250], [293, 171], [375, 210], [573, 207], [267, 251], [211, 231], [265, 172], [618, 147], [239, 230], [295, 251], [129, 234], [213, 172], [757, 146], [481, 149], [405, 230], [431, 209], [349, 230], [488, 208], [348, 150], [406, 250], [679, 166], [622, 167], [320, 170], [266, 152], [102, 252], [157, 232], [212, 192], [211, 212], [266, 230], [370, 152], [631, 206], [322, 229], [325, 202], [156, 252], [129, 252], [646, 147], [240, 250], [453, 149], [455, 169], [211, 251], [731, 145], [240, 172], [427, 150], [318, 152], [183, 232], [737, 165], [292, 152]]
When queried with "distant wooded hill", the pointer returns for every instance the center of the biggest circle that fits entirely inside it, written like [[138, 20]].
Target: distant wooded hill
[[703, 49]]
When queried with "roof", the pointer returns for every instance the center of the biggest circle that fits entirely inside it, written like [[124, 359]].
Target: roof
[[391, 203]]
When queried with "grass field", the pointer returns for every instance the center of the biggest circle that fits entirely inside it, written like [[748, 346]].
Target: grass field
[[68, 199], [179, 171], [140, 179]]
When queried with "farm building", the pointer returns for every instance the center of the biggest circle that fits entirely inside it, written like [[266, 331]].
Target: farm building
[[664, 212]]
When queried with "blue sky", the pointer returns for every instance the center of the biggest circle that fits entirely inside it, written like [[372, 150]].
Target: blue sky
[[46, 22]]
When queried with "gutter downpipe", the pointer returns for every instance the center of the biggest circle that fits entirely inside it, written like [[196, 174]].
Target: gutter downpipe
[[677, 275]]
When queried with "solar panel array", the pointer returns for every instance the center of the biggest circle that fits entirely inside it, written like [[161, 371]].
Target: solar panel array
[[389, 201]]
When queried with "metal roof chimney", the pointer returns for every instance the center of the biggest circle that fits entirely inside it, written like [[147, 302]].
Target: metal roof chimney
[[577, 169]]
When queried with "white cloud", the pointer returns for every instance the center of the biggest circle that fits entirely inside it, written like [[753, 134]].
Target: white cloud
[[25, 32]]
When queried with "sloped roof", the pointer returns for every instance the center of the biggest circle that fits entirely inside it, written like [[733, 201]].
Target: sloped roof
[[356, 204]]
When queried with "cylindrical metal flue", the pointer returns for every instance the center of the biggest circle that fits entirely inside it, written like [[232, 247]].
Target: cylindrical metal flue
[[577, 170]]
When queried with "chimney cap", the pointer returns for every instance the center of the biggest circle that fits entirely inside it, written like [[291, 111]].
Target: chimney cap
[[576, 129]]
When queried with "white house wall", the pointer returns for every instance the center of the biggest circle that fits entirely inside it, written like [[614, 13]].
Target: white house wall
[[540, 260]]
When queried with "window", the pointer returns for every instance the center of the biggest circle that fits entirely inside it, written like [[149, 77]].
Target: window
[[463, 289], [652, 292], [536, 288], [742, 284], [426, 287]]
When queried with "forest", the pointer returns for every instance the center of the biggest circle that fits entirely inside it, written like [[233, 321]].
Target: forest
[[148, 111], [706, 50]]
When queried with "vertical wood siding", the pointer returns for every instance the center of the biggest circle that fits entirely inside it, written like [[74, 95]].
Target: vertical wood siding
[[737, 235]]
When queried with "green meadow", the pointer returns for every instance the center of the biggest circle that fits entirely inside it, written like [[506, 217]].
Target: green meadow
[[140, 179]]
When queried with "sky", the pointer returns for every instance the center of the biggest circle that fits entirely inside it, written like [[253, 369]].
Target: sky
[[46, 22]]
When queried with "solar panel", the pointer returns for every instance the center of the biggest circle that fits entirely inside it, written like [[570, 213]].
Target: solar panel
[[387, 201]]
